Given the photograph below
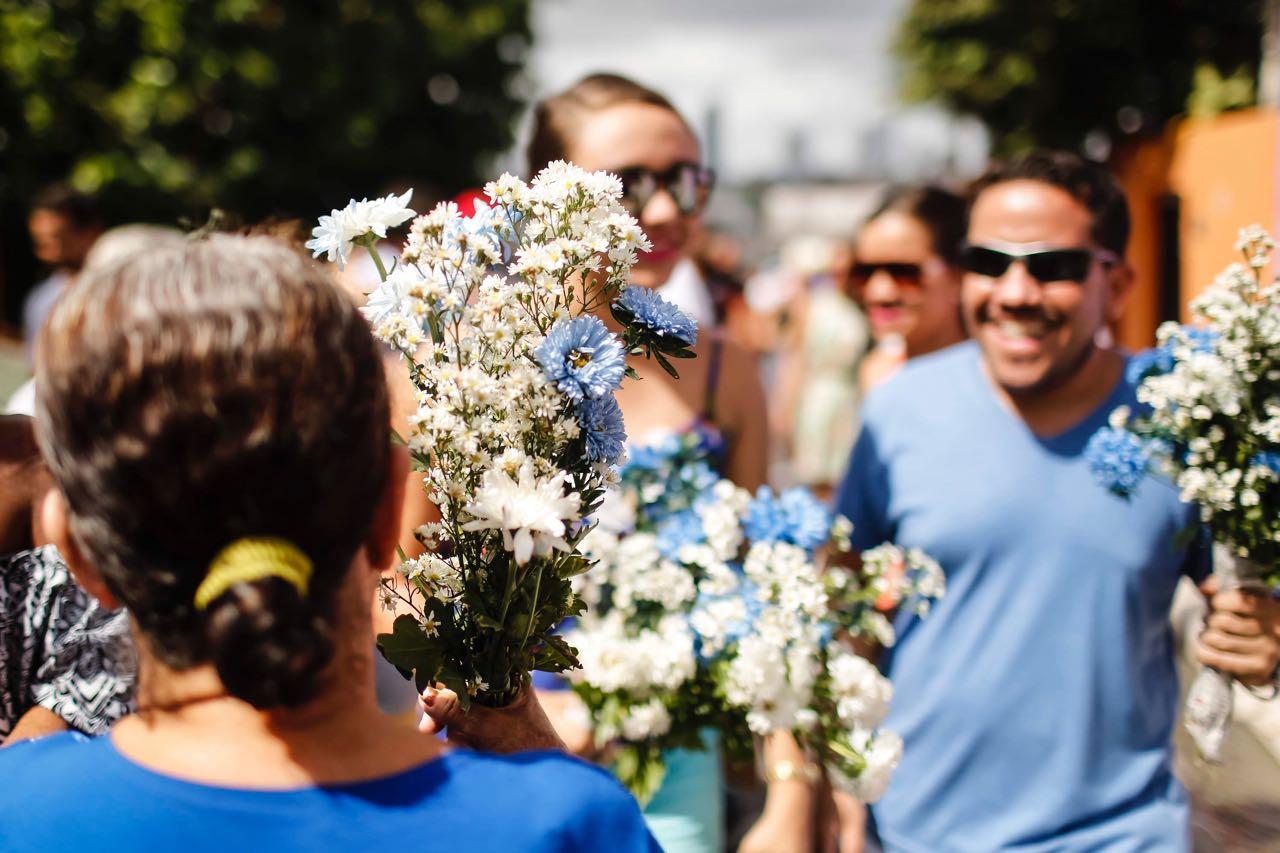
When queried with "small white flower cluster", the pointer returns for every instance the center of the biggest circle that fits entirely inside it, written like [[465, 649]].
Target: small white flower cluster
[[1215, 404], [692, 616], [644, 663], [517, 430]]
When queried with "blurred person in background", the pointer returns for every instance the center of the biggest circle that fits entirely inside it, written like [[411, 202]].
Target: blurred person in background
[[906, 277], [815, 401], [65, 661], [1037, 700], [63, 225], [609, 122], [718, 257], [109, 248]]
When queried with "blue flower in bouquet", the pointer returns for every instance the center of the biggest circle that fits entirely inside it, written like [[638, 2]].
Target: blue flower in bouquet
[[697, 476], [1118, 459], [795, 516], [657, 316], [1201, 340], [601, 421], [654, 456], [1150, 362], [1268, 459], [582, 357], [677, 530]]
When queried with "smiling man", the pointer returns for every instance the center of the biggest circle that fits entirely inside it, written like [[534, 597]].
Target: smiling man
[[1037, 699]]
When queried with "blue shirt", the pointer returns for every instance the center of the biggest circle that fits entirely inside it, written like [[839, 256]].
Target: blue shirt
[[1036, 700], [69, 793]]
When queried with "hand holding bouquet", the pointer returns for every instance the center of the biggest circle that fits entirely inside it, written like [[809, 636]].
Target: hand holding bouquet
[[1212, 423]]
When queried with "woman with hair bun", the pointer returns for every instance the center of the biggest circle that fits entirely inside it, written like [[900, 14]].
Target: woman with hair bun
[[215, 418]]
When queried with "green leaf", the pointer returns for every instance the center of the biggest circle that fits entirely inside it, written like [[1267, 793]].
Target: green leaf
[[665, 365], [409, 649], [556, 655]]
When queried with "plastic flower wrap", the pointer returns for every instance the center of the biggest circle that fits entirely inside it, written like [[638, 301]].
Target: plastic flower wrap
[[711, 608], [1210, 420], [517, 430]]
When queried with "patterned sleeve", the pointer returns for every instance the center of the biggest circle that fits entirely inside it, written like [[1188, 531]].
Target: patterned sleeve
[[85, 669]]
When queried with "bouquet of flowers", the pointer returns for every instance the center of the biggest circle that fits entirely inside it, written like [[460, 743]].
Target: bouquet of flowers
[[709, 608], [517, 430], [1211, 421]]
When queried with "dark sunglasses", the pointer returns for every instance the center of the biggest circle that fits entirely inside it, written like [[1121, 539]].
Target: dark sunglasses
[[1044, 265], [903, 273], [688, 184]]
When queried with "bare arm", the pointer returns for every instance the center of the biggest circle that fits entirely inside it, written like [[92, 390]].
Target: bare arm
[[37, 722]]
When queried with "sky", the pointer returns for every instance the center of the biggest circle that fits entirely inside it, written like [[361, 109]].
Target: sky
[[799, 87]]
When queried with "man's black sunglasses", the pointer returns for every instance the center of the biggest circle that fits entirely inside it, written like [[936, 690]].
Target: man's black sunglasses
[[1043, 265], [688, 184]]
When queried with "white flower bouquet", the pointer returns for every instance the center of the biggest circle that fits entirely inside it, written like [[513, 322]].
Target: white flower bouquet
[[1211, 421], [517, 430], [709, 608]]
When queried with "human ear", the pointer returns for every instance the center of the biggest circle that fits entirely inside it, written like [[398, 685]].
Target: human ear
[[1119, 289], [384, 531], [55, 522]]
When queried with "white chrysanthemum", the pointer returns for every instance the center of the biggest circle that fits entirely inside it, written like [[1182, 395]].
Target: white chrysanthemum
[[646, 721], [337, 232], [862, 693], [881, 751], [530, 511]]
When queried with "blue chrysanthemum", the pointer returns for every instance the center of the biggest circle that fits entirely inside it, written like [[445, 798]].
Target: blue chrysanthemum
[[795, 516], [1149, 362], [1118, 459], [601, 420], [582, 357], [657, 316], [1201, 340], [677, 530]]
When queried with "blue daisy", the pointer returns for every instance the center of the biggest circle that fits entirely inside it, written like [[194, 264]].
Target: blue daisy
[[656, 316], [583, 358]]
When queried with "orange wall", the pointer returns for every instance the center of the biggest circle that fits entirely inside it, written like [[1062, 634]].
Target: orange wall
[[1143, 170], [1224, 170]]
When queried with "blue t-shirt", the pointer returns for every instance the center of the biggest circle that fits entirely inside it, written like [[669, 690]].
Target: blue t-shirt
[[70, 793], [1036, 700]]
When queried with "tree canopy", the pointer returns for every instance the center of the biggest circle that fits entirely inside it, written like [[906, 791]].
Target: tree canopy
[[260, 107], [1051, 72]]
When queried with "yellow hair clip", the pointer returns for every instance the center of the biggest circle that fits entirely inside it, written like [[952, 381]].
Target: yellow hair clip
[[252, 559]]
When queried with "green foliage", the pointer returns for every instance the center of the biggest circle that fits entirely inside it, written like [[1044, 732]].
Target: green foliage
[[1049, 72], [264, 107]]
